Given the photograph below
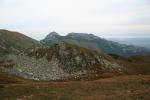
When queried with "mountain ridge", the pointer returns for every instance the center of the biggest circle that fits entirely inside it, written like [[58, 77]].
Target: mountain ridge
[[99, 44]]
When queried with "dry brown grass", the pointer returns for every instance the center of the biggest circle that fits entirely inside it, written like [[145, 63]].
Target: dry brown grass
[[135, 87]]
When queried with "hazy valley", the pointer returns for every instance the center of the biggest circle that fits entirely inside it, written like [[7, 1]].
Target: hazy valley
[[137, 41]]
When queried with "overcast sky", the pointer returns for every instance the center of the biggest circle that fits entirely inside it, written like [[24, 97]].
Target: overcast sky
[[36, 18]]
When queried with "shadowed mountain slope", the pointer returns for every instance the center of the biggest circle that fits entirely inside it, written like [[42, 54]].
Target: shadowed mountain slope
[[91, 41]]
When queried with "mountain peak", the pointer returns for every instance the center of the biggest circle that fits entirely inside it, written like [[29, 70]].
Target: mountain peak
[[52, 35]]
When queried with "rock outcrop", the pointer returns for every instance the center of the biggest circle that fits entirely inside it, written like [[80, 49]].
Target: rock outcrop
[[60, 62]]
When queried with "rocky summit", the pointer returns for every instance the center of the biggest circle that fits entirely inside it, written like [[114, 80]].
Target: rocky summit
[[61, 61]]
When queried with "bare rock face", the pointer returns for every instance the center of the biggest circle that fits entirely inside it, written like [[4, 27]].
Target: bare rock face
[[60, 62]]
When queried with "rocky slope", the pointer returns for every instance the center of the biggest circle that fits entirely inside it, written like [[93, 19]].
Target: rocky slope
[[14, 42], [91, 41], [60, 62]]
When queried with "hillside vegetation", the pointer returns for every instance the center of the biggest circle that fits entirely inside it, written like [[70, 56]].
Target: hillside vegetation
[[14, 42]]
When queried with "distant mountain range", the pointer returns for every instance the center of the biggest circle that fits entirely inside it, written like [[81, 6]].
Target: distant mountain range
[[141, 42], [93, 42]]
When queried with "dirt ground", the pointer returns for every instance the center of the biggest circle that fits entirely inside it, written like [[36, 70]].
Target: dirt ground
[[127, 87]]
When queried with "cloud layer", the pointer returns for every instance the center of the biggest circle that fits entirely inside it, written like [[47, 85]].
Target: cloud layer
[[37, 18]]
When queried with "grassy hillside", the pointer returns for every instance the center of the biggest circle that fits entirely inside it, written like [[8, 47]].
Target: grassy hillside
[[15, 42], [134, 65], [6, 78], [139, 65]]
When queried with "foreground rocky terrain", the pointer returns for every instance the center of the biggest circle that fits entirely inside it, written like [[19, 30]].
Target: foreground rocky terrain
[[60, 62]]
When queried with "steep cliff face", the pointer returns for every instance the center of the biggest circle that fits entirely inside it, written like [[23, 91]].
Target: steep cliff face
[[59, 62]]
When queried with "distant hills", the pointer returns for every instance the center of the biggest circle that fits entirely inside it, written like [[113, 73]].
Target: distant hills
[[93, 42], [137, 41]]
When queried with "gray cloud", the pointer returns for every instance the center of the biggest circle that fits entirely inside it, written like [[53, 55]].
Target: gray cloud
[[37, 18]]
